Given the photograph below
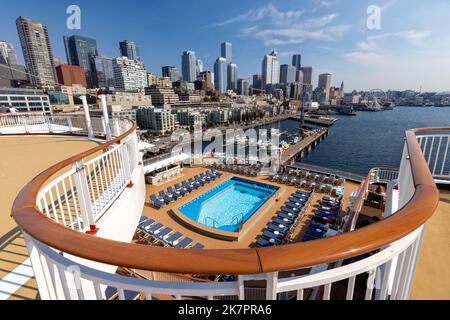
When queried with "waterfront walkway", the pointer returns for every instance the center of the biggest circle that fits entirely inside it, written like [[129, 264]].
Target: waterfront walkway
[[305, 145]]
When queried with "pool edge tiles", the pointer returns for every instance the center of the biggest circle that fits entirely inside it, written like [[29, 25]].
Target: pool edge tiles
[[193, 209]]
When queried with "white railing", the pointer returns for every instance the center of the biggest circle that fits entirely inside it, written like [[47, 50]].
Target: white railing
[[436, 149], [84, 193], [383, 175]]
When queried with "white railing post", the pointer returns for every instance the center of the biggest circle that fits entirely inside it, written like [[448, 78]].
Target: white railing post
[[38, 271], [126, 163], [106, 117], [271, 287], [69, 123], [87, 117], [83, 196]]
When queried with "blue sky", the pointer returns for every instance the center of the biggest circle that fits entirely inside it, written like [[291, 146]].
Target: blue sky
[[411, 50]]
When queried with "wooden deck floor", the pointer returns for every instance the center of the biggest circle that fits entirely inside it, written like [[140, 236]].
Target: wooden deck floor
[[432, 279], [23, 157]]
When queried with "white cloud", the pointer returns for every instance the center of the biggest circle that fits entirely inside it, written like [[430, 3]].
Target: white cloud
[[366, 58], [268, 11], [414, 37]]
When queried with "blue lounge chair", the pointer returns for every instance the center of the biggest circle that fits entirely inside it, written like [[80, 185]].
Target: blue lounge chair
[[201, 181], [205, 177], [287, 224], [290, 210], [284, 230], [294, 206], [146, 224], [181, 190], [261, 242], [300, 197], [306, 193], [212, 175], [163, 233], [187, 186], [166, 198], [215, 172], [183, 244], [319, 226], [198, 246], [151, 230], [157, 202], [324, 215], [270, 235], [283, 215], [297, 200], [170, 240], [315, 233], [175, 194], [194, 184], [142, 219]]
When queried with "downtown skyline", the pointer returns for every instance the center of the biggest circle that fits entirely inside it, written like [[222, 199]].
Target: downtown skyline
[[326, 38]]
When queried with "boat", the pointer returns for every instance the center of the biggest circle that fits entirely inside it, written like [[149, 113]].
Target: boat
[[123, 246]]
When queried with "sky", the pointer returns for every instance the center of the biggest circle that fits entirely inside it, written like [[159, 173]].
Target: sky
[[408, 49]]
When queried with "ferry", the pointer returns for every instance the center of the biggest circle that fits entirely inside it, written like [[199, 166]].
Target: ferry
[[91, 228]]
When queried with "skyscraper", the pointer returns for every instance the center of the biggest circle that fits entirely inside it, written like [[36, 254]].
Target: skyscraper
[[7, 53], [243, 86], [170, 72], [189, 66], [220, 75], [288, 74], [79, 51], [325, 85], [297, 61], [307, 75], [227, 51], [37, 51], [130, 50], [129, 74], [103, 71], [199, 67], [232, 76], [271, 69]]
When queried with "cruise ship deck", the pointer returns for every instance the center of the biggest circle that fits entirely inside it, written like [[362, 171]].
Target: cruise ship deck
[[77, 236]]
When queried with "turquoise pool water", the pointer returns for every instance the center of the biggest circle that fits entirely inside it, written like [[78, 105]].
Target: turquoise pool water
[[228, 205]]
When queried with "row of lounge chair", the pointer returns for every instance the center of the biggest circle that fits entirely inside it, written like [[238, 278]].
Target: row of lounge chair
[[279, 230], [303, 183], [325, 218], [152, 232], [250, 171], [186, 187], [314, 177]]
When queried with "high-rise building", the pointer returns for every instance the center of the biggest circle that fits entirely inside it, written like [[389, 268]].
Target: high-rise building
[[325, 85], [129, 74], [287, 74], [220, 75], [227, 51], [130, 50], [199, 67], [232, 76], [271, 69], [208, 77], [297, 61], [69, 75], [37, 51], [170, 72], [257, 82], [79, 51], [7, 53], [189, 66], [102, 71], [299, 76], [307, 75], [243, 86]]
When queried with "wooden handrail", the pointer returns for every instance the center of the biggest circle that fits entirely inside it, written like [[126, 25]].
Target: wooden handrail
[[239, 261]]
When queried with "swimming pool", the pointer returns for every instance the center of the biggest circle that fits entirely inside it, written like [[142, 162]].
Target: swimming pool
[[228, 205]]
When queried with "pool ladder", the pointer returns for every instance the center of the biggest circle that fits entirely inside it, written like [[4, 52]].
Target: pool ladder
[[214, 225]]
